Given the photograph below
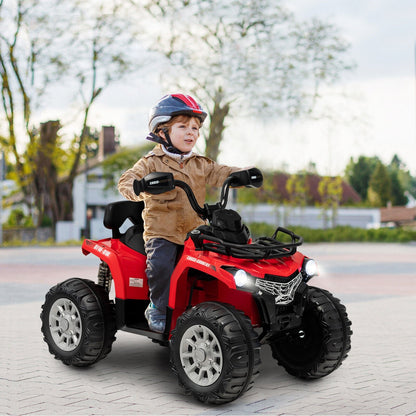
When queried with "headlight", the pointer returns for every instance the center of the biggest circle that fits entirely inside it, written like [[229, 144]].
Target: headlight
[[240, 278], [310, 269]]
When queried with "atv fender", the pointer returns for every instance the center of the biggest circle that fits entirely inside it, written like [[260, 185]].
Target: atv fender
[[126, 265], [199, 278], [196, 262]]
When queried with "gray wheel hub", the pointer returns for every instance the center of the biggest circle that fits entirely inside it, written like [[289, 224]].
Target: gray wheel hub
[[201, 355], [65, 324]]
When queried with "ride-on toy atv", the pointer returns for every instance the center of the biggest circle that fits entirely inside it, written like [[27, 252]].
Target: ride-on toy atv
[[228, 296]]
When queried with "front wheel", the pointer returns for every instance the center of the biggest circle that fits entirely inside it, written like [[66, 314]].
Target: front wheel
[[78, 322], [215, 352], [321, 343]]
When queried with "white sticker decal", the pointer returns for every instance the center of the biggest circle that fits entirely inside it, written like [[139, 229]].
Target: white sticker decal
[[101, 249], [198, 261], [135, 282]]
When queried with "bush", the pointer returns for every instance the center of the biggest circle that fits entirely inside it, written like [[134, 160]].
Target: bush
[[339, 233], [17, 218], [46, 221]]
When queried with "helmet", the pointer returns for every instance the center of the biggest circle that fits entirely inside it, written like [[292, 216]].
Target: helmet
[[173, 105]]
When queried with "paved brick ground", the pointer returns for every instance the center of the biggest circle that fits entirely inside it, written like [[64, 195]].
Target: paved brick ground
[[375, 282]]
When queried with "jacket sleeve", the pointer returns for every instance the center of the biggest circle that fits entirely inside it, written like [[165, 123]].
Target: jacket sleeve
[[125, 183], [216, 174]]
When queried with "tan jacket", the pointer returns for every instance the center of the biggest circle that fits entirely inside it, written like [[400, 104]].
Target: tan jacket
[[169, 215]]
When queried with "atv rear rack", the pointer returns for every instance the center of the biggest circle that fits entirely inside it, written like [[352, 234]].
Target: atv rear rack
[[262, 248]]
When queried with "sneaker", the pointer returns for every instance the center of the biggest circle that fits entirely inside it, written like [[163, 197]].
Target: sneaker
[[155, 319]]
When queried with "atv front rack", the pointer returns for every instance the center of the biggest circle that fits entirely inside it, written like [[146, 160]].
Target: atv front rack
[[262, 248]]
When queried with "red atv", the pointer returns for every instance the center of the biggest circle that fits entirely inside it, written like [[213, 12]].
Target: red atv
[[228, 296]]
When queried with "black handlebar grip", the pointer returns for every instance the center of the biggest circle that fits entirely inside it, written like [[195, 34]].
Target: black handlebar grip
[[138, 186]]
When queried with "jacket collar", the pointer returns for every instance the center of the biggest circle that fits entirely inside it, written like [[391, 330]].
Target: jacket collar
[[159, 151], [177, 156]]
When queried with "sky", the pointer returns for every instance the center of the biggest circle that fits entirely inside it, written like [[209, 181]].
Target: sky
[[377, 119], [382, 34]]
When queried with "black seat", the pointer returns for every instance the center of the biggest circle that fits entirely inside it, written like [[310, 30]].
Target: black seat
[[117, 213]]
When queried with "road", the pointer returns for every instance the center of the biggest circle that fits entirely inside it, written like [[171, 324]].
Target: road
[[376, 282]]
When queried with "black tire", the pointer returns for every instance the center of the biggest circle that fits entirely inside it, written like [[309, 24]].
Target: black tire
[[321, 343], [78, 322], [225, 357]]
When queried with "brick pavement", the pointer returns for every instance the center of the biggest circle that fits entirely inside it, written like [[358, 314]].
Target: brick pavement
[[377, 378]]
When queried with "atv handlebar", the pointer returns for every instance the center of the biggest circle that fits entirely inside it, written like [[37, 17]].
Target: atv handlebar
[[159, 182]]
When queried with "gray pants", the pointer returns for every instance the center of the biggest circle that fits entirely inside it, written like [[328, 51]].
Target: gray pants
[[161, 259]]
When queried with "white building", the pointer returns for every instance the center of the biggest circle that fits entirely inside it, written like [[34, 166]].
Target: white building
[[90, 196]]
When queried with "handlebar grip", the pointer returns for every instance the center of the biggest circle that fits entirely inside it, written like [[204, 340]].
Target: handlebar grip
[[256, 178], [252, 178], [138, 186]]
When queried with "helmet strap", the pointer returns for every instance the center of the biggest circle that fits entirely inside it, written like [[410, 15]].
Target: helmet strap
[[155, 138], [170, 147], [167, 143]]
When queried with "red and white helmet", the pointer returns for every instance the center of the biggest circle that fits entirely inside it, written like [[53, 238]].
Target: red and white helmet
[[173, 105]]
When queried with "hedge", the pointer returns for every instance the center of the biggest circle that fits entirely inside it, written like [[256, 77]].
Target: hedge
[[340, 233]]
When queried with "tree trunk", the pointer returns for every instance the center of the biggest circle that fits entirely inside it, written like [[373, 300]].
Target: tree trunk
[[45, 172], [64, 200], [53, 197], [217, 126]]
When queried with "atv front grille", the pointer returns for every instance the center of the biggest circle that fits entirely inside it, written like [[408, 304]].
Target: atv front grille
[[283, 293]]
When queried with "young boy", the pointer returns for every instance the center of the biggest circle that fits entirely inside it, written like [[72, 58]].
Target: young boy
[[174, 124]]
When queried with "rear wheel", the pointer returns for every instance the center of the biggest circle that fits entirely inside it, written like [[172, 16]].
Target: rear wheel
[[321, 343], [78, 322], [215, 352]]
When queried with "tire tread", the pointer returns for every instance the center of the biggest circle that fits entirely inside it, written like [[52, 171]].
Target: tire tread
[[98, 316]]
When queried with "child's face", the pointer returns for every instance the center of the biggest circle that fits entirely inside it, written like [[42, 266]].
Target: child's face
[[184, 134]]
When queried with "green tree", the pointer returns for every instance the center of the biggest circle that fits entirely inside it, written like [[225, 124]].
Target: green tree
[[29, 62], [17, 218], [400, 179], [244, 57], [39, 48], [297, 187], [359, 173], [330, 190], [379, 191], [101, 44], [397, 191]]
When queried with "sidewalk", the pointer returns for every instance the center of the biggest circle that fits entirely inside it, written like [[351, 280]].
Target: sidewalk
[[378, 377]]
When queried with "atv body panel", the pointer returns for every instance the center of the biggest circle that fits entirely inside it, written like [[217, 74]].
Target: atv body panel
[[199, 276]]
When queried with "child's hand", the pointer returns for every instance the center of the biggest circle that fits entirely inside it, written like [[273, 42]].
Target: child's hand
[[138, 186], [154, 183], [252, 178]]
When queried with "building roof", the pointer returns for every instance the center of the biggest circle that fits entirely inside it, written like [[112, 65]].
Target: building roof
[[398, 215]]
